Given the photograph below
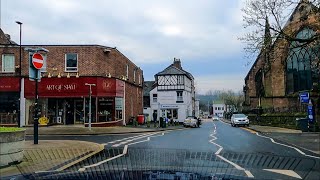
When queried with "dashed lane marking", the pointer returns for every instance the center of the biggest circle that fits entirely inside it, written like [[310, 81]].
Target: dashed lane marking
[[248, 173]]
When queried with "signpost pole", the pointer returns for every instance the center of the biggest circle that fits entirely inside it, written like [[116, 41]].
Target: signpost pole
[[36, 117], [90, 92]]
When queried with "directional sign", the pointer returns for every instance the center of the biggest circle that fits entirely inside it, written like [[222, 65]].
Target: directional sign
[[37, 60], [304, 97], [310, 112]]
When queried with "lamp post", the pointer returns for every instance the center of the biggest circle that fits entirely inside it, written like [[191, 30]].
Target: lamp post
[[20, 59], [90, 92]]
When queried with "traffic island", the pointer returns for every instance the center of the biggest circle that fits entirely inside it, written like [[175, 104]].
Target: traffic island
[[12, 143]]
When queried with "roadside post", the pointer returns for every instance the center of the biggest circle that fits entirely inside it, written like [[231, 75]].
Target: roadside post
[[90, 92], [35, 64], [311, 113]]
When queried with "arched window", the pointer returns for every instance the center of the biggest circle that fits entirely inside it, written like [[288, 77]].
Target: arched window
[[259, 83], [300, 59]]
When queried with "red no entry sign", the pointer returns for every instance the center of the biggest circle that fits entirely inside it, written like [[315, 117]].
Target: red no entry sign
[[37, 60]]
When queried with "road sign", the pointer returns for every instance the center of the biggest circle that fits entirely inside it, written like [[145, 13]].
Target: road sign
[[304, 97], [37, 60], [310, 112], [33, 72]]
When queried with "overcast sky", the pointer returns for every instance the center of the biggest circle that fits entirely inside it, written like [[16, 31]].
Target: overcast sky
[[202, 33]]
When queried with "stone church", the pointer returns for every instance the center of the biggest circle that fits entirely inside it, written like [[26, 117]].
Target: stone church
[[283, 69]]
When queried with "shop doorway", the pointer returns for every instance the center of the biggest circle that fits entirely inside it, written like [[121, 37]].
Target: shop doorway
[[69, 111], [79, 112]]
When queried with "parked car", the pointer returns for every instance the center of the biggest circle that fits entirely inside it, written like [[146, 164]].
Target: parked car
[[239, 119], [215, 118], [190, 121]]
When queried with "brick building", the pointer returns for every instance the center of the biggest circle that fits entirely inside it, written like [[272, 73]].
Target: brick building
[[62, 91], [283, 69]]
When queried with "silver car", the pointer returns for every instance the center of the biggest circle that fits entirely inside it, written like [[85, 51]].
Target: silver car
[[215, 118], [190, 121], [239, 119]]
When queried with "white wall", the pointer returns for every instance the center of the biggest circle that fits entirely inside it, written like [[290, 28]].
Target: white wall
[[219, 112], [170, 98]]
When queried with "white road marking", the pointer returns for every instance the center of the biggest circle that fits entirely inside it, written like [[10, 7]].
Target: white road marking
[[130, 140], [298, 150], [131, 137], [124, 152], [148, 139], [248, 173], [285, 172]]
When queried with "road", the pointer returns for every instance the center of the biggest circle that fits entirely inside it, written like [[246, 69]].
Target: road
[[216, 148]]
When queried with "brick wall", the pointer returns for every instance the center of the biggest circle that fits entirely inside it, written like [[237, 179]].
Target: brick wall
[[275, 79], [92, 61]]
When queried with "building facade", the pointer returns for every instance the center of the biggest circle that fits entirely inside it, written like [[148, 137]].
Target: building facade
[[63, 93], [283, 69], [218, 108], [173, 95]]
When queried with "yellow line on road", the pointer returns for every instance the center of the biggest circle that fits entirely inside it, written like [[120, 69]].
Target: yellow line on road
[[250, 130]]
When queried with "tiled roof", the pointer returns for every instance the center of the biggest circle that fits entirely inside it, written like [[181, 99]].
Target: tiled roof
[[147, 87]]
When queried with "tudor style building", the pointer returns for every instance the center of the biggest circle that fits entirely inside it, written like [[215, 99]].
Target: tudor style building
[[287, 68], [63, 95], [173, 93]]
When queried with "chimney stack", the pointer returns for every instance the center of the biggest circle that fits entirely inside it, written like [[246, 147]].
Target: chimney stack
[[177, 63]]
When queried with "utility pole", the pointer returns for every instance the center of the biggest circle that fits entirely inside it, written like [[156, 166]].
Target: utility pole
[[90, 92]]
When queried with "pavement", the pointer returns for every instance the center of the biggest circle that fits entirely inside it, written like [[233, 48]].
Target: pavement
[[81, 130], [215, 147], [52, 154], [306, 140]]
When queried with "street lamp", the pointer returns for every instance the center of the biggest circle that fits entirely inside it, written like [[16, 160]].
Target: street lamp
[[20, 59], [90, 92]]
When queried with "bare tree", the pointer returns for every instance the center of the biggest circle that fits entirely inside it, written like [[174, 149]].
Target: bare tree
[[266, 19]]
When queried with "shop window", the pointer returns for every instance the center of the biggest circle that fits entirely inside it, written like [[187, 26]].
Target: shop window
[[71, 62], [155, 98], [300, 70], [105, 109], [179, 96], [8, 63]]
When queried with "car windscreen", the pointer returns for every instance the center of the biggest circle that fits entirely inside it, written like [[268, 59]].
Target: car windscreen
[[239, 116]]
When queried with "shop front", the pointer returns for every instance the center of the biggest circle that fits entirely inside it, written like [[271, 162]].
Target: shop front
[[9, 100], [170, 111], [66, 100]]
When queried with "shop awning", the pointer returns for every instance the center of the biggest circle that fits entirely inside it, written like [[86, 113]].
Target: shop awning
[[9, 84], [75, 87]]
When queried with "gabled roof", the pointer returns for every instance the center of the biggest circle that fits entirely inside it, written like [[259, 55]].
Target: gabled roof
[[172, 70], [147, 87]]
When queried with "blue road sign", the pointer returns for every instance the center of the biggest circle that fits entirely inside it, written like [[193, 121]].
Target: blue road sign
[[304, 97], [33, 72], [310, 112]]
